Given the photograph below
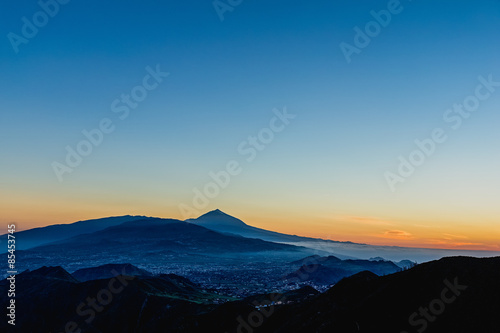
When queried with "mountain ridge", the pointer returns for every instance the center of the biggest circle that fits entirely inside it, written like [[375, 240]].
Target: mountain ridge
[[217, 220]]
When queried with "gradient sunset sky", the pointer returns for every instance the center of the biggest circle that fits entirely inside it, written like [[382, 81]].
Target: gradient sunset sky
[[322, 175]]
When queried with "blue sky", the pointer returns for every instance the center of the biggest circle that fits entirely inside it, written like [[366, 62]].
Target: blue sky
[[353, 119]]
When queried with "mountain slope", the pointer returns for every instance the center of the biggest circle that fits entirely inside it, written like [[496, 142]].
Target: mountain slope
[[222, 222], [108, 271], [456, 294], [119, 304], [158, 240], [459, 294], [38, 236], [330, 270]]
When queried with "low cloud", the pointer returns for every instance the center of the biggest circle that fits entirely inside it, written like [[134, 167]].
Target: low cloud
[[451, 236], [397, 234]]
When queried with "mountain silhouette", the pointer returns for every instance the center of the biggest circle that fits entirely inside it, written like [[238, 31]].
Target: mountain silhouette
[[219, 221], [330, 270], [44, 235], [108, 271], [158, 240], [458, 294], [49, 298]]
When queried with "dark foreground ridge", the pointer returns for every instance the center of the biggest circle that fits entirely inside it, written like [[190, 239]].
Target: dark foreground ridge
[[455, 294]]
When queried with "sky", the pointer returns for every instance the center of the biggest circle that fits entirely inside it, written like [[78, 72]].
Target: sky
[[364, 121]]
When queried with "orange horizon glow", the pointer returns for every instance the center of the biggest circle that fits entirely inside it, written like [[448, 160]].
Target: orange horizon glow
[[356, 229]]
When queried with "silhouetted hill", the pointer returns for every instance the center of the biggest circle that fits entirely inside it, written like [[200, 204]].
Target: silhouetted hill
[[317, 274], [406, 264], [47, 302], [290, 296], [457, 294], [330, 270], [218, 218], [223, 223], [108, 271], [181, 281], [219, 221], [315, 259], [156, 240], [52, 272], [165, 234], [44, 235]]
